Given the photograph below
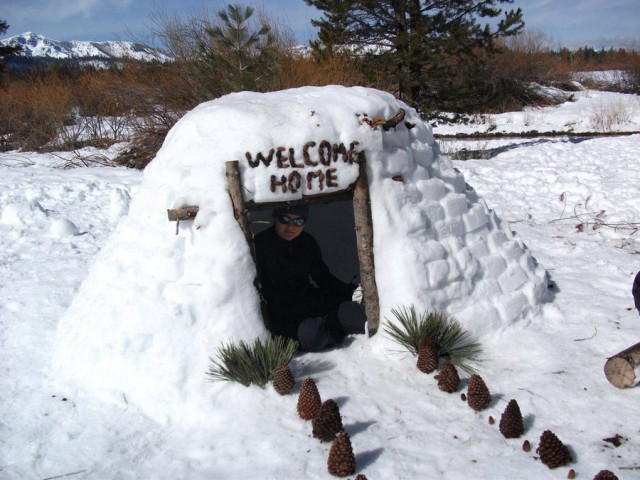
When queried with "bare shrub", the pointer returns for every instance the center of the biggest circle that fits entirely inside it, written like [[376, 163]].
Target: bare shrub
[[300, 70], [606, 116], [156, 98], [32, 114]]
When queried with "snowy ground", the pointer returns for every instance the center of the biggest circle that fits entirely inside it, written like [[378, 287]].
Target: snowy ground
[[54, 221]]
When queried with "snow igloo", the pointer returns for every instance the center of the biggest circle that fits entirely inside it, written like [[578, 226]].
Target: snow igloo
[[162, 296]]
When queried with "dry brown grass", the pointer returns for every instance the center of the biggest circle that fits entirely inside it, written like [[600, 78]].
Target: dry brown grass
[[298, 71], [34, 112], [56, 110]]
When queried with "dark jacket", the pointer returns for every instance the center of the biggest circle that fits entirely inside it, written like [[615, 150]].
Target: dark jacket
[[285, 269], [635, 290]]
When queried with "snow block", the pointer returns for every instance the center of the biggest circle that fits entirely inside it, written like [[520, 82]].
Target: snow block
[[455, 205], [467, 264], [477, 243], [433, 189], [512, 278], [481, 318], [432, 251], [435, 211], [449, 228], [438, 272], [496, 240], [455, 180], [493, 266], [512, 306], [475, 218]]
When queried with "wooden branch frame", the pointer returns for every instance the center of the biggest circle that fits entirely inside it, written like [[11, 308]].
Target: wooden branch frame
[[364, 237], [358, 193]]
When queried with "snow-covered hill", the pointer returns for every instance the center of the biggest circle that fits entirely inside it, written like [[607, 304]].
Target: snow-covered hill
[[38, 47]]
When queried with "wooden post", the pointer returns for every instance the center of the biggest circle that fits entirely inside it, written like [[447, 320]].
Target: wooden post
[[234, 184], [237, 199], [623, 369], [364, 237]]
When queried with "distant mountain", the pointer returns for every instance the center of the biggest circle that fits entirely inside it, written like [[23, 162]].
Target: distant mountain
[[36, 47]]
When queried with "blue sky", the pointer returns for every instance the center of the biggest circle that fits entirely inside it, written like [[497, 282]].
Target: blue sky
[[570, 23]]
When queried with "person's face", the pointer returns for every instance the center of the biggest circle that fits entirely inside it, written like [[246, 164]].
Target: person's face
[[286, 228]]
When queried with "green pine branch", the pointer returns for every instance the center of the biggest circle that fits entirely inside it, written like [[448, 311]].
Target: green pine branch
[[251, 364], [410, 329]]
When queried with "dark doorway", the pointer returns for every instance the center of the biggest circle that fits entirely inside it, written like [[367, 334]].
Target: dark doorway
[[333, 226]]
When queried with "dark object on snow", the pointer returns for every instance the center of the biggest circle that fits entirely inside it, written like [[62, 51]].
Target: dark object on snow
[[478, 395], [623, 369], [283, 380], [341, 461], [553, 453], [635, 290], [448, 378], [605, 475], [328, 422], [511, 424], [428, 357], [309, 399]]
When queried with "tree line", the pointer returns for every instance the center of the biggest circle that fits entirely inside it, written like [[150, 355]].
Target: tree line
[[436, 55]]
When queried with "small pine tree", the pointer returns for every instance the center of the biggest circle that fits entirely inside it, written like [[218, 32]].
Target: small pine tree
[[235, 55], [5, 51]]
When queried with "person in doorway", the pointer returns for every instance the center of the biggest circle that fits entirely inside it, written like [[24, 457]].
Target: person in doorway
[[635, 291], [319, 314]]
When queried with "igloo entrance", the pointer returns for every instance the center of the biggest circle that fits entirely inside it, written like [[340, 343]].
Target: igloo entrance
[[340, 222]]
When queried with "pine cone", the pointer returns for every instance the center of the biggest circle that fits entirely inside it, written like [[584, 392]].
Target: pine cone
[[605, 475], [308, 400], [553, 453], [511, 424], [478, 395], [283, 380], [341, 462], [360, 476], [448, 378], [427, 357], [328, 422]]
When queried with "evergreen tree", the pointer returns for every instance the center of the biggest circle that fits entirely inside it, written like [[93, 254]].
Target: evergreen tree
[[5, 51], [235, 55], [420, 42]]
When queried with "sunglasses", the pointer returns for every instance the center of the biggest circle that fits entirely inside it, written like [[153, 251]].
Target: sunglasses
[[286, 220]]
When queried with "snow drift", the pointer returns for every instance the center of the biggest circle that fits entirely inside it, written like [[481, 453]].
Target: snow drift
[[156, 305]]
